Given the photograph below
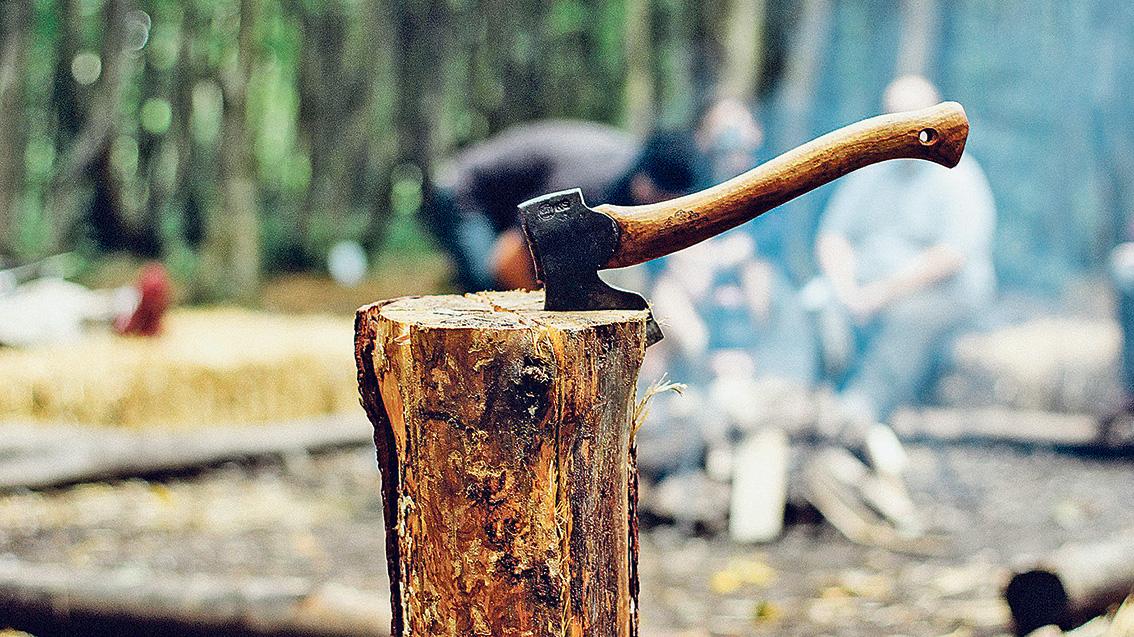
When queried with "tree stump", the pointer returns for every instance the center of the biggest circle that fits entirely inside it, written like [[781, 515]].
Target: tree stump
[[504, 439]]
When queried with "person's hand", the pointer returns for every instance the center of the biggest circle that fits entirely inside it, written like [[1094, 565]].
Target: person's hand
[[511, 262]]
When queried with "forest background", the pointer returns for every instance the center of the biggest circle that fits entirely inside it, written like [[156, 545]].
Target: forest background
[[238, 139]]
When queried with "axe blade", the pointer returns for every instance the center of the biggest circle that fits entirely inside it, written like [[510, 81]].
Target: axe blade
[[570, 243]]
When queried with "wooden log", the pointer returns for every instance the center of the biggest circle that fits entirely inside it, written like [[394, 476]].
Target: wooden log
[[1073, 584], [40, 456], [504, 441], [1045, 364], [57, 599], [1081, 432]]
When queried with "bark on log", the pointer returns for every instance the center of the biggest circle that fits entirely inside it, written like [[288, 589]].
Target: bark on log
[[504, 440], [1074, 584]]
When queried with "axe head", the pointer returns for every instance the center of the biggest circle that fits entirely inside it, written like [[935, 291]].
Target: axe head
[[570, 244]]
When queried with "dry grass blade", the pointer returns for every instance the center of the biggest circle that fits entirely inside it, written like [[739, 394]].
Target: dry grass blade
[[641, 409]]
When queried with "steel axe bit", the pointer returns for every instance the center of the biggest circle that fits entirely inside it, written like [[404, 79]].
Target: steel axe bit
[[571, 242]]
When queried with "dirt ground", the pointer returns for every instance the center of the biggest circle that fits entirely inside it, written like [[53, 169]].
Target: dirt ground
[[319, 517]]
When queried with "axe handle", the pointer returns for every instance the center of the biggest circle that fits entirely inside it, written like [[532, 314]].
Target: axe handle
[[936, 134]]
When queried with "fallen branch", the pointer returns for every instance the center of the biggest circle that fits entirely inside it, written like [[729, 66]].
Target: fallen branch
[[1014, 426], [60, 599], [41, 456]]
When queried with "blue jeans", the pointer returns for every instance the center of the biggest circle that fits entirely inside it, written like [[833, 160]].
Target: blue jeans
[[896, 354], [466, 236]]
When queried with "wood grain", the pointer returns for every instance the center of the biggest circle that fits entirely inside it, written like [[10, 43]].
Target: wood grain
[[504, 444], [936, 134]]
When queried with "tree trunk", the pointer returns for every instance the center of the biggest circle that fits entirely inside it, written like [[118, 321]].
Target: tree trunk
[[743, 55], [1027, 427], [62, 600], [15, 36], [336, 78], [231, 256], [802, 74], [802, 69], [639, 78], [91, 145], [33, 456], [509, 484]]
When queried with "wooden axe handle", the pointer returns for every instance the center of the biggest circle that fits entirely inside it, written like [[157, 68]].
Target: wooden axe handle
[[936, 134]]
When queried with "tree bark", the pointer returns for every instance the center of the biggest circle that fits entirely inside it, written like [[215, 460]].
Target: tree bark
[[504, 441], [336, 81], [90, 146]]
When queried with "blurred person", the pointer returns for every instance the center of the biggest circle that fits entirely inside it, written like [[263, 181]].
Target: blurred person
[[735, 317], [905, 250], [472, 209], [729, 135]]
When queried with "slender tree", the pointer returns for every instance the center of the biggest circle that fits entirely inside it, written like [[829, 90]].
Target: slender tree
[[335, 82], [231, 259], [743, 59], [420, 28], [87, 158], [15, 34], [639, 86]]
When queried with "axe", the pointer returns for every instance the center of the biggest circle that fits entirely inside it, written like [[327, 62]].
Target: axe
[[570, 242]]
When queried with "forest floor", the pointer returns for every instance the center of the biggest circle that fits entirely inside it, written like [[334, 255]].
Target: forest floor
[[319, 517]]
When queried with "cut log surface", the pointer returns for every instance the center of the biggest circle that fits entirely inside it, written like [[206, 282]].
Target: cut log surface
[[504, 440]]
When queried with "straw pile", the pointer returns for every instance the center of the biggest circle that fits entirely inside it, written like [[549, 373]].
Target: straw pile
[[1051, 364], [208, 367]]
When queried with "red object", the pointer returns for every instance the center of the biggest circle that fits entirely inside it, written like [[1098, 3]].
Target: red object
[[156, 292]]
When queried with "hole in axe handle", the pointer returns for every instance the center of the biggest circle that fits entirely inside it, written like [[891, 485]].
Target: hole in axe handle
[[927, 136]]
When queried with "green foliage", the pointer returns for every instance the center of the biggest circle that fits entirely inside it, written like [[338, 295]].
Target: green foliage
[[331, 115]]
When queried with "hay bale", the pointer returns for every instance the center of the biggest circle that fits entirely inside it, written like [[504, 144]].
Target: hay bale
[[1049, 364], [214, 365]]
